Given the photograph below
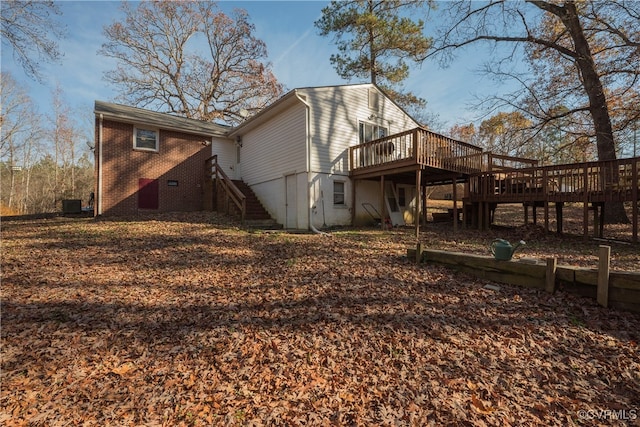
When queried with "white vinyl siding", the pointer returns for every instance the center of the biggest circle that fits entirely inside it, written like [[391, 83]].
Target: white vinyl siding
[[225, 149], [275, 148], [335, 115]]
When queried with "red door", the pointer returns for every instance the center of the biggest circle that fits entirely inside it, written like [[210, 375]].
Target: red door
[[148, 193]]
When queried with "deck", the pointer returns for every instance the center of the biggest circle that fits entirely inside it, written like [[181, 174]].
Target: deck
[[412, 150], [427, 158], [590, 182], [421, 149]]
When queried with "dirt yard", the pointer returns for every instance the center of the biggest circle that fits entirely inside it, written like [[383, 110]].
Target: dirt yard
[[570, 248], [187, 319]]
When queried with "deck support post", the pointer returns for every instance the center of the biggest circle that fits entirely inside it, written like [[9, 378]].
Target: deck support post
[[635, 181], [545, 192], [598, 219], [467, 208], [383, 208], [546, 216], [559, 206], [585, 218], [585, 221], [418, 201], [454, 193], [353, 202]]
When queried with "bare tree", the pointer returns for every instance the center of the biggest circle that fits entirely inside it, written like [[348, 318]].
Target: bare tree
[[29, 28], [583, 55], [580, 52], [190, 59], [19, 134], [39, 166], [64, 135]]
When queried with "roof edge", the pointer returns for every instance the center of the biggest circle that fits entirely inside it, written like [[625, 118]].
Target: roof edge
[[264, 114], [135, 115]]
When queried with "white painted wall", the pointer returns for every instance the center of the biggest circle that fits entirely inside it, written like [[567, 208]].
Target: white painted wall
[[270, 152], [367, 192], [225, 149], [273, 196], [323, 210]]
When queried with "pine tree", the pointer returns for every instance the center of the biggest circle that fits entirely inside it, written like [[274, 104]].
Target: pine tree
[[376, 40]]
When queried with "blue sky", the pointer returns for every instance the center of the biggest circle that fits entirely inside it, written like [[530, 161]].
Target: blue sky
[[299, 56]]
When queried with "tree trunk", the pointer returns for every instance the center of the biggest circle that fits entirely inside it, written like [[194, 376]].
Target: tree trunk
[[591, 83], [372, 54], [614, 211], [12, 190]]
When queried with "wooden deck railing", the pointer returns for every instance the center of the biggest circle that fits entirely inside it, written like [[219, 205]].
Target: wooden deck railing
[[601, 181], [428, 149], [499, 162], [417, 146], [223, 182]]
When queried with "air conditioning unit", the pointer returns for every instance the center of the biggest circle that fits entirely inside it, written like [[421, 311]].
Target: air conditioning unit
[[72, 206]]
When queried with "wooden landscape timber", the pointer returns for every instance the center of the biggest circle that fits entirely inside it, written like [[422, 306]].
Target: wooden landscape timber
[[617, 289]]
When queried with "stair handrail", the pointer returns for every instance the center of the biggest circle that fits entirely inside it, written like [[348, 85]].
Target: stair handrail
[[231, 190]]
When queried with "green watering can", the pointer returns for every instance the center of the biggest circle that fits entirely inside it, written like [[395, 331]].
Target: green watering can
[[502, 250]]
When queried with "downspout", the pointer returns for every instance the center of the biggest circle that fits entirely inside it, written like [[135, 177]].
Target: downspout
[[99, 200], [308, 148]]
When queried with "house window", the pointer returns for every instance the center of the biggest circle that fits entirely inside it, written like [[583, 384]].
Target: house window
[[338, 193], [145, 139], [374, 100], [402, 197], [369, 132]]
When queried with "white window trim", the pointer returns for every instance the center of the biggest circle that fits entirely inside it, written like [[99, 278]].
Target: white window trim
[[135, 137]]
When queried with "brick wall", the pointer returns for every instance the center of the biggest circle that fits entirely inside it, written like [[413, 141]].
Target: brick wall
[[180, 159]]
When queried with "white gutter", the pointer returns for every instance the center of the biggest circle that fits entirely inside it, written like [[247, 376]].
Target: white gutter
[[308, 167], [99, 200]]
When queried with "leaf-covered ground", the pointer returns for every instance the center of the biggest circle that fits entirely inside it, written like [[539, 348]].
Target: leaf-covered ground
[[188, 320]]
